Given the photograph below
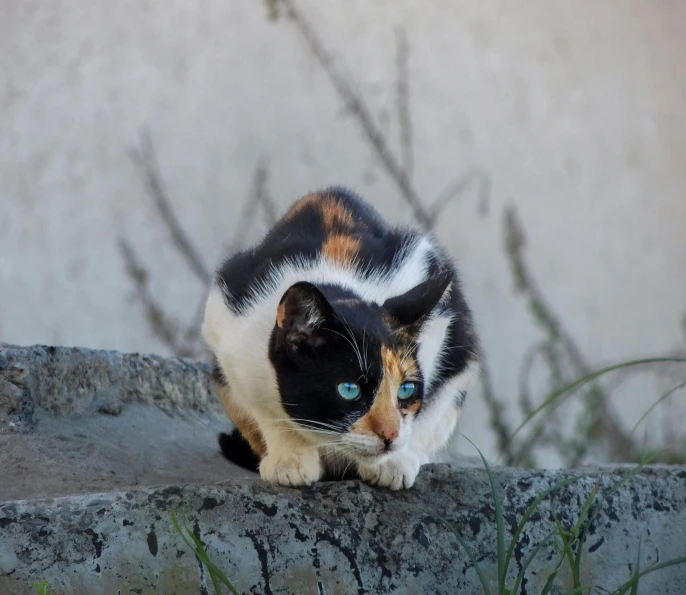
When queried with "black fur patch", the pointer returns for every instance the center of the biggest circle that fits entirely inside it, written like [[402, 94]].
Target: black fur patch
[[237, 450], [301, 236]]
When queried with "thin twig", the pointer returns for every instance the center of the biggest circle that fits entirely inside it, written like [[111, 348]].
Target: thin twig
[[402, 88], [621, 444], [145, 160], [472, 177], [363, 116], [262, 196], [525, 368], [258, 197], [160, 324], [502, 429]]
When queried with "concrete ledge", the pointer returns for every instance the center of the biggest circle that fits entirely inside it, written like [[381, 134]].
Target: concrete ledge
[[101, 429], [78, 420], [338, 538], [77, 381]]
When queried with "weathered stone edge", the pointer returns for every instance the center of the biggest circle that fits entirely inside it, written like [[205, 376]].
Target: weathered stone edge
[[76, 381], [342, 537]]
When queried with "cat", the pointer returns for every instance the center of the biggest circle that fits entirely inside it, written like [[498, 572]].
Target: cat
[[341, 345]]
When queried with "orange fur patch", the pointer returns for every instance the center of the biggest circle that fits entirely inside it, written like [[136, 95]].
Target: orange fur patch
[[412, 408], [305, 201], [341, 249], [383, 419], [244, 422], [280, 314], [336, 216]]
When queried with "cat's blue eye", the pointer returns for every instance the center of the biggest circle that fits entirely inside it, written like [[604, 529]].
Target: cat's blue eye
[[406, 390], [349, 390]]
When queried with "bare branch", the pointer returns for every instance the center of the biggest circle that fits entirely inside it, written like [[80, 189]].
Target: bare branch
[[620, 443], [259, 197], [193, 332], [524, 374], [472, 177], [502, 429], [363, 116], [145, 160], [162, 327], [262, 197], [402, 88]]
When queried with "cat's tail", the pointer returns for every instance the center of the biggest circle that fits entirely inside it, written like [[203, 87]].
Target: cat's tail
[[237, 450]]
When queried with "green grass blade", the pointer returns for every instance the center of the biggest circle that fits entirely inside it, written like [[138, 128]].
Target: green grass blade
[[568, 553], [499, 519], [584, 511], [578, 529], [626, 477], [201, 554], [646, 460], [629, 584], [527, 561], [648, 411], [531, 509], [549, 583], [555, 395], [667, 564], [637, 570], [216, 575], [175, 522], [467, 549], [41, 587]]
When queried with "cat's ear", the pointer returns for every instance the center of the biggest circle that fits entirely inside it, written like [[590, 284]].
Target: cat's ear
[[411, 307], [302, 311]]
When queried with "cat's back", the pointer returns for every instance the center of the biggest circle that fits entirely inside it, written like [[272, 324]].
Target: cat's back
[[334, 227]]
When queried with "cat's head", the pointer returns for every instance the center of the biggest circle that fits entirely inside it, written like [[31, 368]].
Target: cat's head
[[347, 369]]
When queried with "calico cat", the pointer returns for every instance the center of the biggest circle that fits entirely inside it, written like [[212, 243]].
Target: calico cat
[[340, 344]]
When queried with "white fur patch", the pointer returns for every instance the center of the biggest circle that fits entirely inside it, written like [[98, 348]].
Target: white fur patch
[[431, 341], [436, 422]]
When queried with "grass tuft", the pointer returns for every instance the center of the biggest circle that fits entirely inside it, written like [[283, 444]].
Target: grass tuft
[[41, 587], [193, 542]]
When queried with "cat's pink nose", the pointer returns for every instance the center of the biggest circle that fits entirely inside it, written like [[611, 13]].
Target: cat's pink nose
[[387, 435], [386, 428]]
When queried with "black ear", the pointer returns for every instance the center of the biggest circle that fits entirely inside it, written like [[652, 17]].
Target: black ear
[[302, 311], [411, 307]]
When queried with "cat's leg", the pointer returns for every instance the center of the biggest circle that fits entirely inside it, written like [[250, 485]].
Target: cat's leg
[[290, 460], [397, 472], [286, 459], [245, 423]]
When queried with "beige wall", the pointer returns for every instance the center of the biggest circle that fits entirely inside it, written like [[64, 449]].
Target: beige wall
[[576, 112]]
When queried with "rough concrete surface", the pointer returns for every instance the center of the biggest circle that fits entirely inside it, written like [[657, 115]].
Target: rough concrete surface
[[91, 433], [83, 420], [337, 538]]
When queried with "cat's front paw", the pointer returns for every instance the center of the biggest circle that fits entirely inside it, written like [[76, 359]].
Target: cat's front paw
[[293, 469], [395, 473]]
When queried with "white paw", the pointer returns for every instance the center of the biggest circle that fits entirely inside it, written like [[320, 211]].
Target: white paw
[[293, 469], [396, 473]]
